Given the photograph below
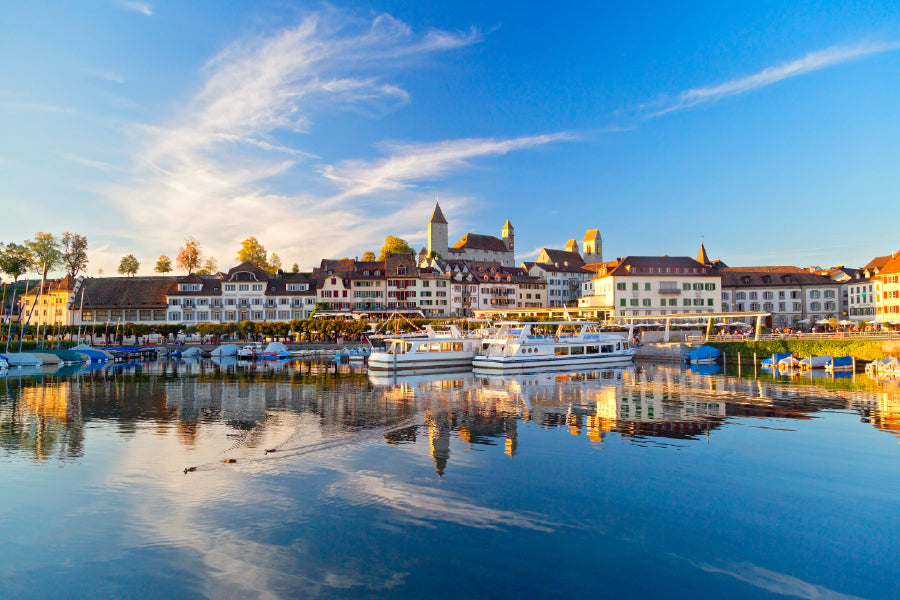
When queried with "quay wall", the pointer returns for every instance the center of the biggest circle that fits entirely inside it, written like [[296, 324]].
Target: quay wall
[[861, 350]]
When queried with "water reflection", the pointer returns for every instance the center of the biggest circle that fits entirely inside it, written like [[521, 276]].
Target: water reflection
[[43, 414]]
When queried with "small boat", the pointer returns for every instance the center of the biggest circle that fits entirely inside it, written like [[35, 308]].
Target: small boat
[[225, 350], [520, 347], [276, 351], [3, 364], [814, 362], [789, 362], [778, 356], [92, 354], [251, 350], [354, 354], [881, 366], [840, 363], [21, 359], [703, 355]]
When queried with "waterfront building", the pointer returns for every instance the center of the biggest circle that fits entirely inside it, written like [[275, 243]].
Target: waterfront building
[[845, 276], [49, 303], [887, 292], [246, 293], [792, 295], [652, 285], [486, 285]]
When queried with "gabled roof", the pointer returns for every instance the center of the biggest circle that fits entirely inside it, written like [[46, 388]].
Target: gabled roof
[[773, 278], [561, 258], [879, 262], [248, 267], [591, 234], [476, 241], [437, 216], [764, 269], [892, 266]]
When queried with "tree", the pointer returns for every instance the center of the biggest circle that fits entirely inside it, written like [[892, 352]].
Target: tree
[[189, 255], [368, 256], [14, 260], [74, 252], [395, 245], [45, 253], [163, 264], [295, 268], [274, 263], [129, 265], [209, 267], [252, 251]]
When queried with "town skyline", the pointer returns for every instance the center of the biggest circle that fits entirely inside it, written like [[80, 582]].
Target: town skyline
[[322, 129]]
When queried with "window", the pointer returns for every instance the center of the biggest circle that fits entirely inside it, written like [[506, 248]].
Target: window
[[229, 287], [622, 302], [646, 301], [686, 287], [243, 287], [647, 286], [620, 286], [709, 301], [634, 286]]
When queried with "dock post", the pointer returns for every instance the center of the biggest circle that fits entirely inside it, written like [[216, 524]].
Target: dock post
[[739, 364]]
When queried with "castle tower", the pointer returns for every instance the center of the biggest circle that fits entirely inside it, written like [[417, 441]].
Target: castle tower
[[572, 246], [593, 246], [509, 236], [437, 232]]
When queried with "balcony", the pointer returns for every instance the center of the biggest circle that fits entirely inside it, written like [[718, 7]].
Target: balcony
[[669, 291]]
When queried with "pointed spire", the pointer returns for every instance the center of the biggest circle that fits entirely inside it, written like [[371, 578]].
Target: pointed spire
[[702, 257], [437, 216]]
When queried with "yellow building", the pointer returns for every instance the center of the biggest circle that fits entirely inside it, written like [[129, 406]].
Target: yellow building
[[887, 292], [53, 302]]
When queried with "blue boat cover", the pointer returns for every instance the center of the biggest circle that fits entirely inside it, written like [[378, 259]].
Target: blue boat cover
[[842, 361], [703, 353], [778, 356]]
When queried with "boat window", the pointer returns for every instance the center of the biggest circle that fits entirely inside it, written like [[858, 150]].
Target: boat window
[[606, 348], [576, 350], [592, 349], [618, 346], [561, 350]]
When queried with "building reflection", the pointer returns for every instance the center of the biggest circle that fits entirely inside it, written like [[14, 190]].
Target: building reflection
[[45, 414]]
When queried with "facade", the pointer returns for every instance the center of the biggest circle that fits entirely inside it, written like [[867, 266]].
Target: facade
[[887, 292], [478, 285], [652, 285], [49, 303], [793, 296], [564, 281], [246, 293]]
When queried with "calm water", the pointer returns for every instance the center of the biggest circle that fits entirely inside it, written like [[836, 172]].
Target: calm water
[[650, 482]]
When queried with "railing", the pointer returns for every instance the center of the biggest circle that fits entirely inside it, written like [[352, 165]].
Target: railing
[[669, 291], [834, 335]]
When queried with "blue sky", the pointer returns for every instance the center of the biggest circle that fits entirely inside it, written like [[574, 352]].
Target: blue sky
[[770, 129]]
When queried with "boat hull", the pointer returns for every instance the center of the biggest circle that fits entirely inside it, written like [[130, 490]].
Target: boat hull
[[384, 362], [517, 364]]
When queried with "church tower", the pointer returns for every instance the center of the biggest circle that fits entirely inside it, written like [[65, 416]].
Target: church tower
[[509, 236], [437, 232], [593, 246]]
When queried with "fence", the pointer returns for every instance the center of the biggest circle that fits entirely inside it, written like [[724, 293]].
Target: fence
[[832, 335]]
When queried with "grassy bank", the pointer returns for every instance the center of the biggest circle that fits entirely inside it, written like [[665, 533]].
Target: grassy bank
[[862, 350]]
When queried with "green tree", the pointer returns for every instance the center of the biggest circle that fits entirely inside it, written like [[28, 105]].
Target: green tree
[[252, 251], [295, 268], [368, 256], [45, 253], [129, 265], [163, 264], [274, 263], [14, 260], [209, 267], [394, 245], [74, 252], [189, 256]]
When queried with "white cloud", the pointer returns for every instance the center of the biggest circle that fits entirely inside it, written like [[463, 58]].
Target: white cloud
[[140, 7], [209, 172], [813, 61]]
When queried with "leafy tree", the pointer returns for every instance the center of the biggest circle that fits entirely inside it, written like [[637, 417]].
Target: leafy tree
[[274, 263], [14, 260], [368, 256], [74, 252], [295, 268], [129, 265], [394, 245], [45, 253], [189, 255], [252, 251], [163, 264], [209, 267]]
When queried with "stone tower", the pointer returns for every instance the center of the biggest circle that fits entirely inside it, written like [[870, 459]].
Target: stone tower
[[509, 236], [593, 246], [437, 232], [572, 246]]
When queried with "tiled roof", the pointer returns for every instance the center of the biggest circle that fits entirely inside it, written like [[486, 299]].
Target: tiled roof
[[773, 278], [127, 292], [560, 258], [476, 241], [892, 266], [248, 267], [764, 269], [437, 216], [561, 268], [879, 262]]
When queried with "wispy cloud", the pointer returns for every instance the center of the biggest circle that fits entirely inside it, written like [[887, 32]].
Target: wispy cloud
[[814, 61], [90, 162], [777, 583], [416, 162], [211, 172], [140, 7]]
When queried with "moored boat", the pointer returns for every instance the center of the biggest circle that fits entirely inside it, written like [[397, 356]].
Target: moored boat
[[517, 347], [446, 350], [840, 363], [703, 355], [814, 362]]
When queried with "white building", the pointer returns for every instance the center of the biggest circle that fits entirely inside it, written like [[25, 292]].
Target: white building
[[792, 295]]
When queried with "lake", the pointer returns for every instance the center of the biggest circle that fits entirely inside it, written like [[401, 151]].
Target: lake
[[646, 482]]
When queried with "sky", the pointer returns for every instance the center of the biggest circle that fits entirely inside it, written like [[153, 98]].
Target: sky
[[768, 130]]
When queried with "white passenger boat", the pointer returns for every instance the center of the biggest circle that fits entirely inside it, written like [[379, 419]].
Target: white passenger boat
[[444, 349], [251, 351], [558, 344]]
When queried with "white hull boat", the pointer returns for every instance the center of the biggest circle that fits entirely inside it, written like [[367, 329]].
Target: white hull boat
[[521, 347], [448, 350]]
